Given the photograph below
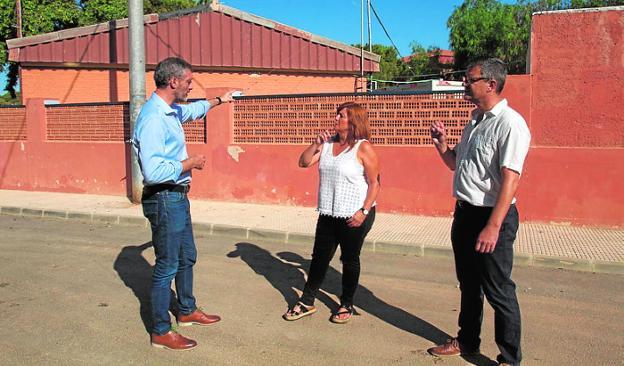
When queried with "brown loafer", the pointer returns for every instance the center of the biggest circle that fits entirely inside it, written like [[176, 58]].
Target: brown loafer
[[197, 317], [173, 341], [451, 348]]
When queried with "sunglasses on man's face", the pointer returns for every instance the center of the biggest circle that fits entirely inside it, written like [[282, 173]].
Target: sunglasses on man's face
[[469, 81]]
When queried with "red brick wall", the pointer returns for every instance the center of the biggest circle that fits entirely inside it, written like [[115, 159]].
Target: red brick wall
[[12, 123], [84, 85], [394, 119], [414, 180]]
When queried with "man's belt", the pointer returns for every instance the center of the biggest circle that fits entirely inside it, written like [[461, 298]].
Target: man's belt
[[149, 191], [467, 205]]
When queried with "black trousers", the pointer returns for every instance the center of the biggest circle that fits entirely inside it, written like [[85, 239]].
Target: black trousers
[[331, 232], [488, 274]]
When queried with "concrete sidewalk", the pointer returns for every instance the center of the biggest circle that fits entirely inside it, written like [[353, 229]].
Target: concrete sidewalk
[[546, 245]]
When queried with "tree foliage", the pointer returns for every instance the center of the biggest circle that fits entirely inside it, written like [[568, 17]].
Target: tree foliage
[[42, 16], [423, 63], [393, 68], [489, 28]]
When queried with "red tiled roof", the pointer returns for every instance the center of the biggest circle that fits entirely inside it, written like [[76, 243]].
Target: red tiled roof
[[210, 37]]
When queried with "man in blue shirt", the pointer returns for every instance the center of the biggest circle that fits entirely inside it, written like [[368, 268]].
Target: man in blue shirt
[[166, 167]]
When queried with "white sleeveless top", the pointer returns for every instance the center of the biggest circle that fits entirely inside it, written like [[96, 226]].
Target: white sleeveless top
[[342, 182]]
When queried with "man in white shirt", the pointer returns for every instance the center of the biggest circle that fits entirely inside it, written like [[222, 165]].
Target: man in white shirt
[[487, 164]]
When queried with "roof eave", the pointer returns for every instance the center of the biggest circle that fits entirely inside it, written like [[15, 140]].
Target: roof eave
[[17, 43], [75, 32], [252, 18]]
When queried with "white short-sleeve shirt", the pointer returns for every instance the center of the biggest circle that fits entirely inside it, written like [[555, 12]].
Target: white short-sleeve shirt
[[500, 139]]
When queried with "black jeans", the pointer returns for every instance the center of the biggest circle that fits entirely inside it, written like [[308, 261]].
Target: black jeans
[[331, 232], [488, 274]]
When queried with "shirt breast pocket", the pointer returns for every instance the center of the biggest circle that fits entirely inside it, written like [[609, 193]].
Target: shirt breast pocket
[[484, 151]]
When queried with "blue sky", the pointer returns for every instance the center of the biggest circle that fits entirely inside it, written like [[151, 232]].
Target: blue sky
[[423, 21]]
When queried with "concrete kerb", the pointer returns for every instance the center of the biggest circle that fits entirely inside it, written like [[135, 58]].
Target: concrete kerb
[[520, 259], [398, 248], [32, 212], [15, 211], [53, 214]]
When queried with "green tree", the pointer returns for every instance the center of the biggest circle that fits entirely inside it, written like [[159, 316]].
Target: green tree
[[484, 28], [96, 11], [39, 16], [423, 63], [6, 99]]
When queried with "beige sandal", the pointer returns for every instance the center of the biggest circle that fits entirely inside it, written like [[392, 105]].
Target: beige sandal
[[349, 309], [298, 311]]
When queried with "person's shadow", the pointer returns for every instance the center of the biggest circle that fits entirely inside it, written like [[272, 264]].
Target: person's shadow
[[285, 273], [136, 273], [366, 300]]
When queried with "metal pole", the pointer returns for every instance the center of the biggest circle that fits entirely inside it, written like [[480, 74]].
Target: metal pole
[[370, 40], [18, 15], [137, 86], [370, 34], [362, 38]]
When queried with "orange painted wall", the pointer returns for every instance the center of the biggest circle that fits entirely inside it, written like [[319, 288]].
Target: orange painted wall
[[574, 171], [414, 180], [577, 63], [85, 85]]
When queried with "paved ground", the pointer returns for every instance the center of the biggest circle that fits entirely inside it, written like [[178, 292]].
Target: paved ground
[[540, 245], [76, 293]]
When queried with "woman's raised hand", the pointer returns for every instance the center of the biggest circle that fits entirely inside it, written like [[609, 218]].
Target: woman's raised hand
[[323, 137]]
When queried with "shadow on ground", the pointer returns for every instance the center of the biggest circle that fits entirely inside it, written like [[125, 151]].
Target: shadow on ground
[[136, 273], [286, 271]]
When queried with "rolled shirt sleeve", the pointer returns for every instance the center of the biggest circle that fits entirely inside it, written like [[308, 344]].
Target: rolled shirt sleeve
[[514, 145]]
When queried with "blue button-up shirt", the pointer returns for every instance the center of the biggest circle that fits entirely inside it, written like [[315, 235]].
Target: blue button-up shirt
[[159, 139]]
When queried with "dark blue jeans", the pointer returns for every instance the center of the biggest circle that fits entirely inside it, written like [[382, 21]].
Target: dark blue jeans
[[331, 232], [172, 237], [488, 274]]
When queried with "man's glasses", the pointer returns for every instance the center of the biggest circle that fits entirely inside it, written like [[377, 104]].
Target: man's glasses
[[469, 81]]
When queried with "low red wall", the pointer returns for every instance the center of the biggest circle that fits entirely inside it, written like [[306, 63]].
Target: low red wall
[[575, 185], [578, 78]]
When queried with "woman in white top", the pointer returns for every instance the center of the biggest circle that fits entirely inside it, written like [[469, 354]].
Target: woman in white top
[[348, 187]]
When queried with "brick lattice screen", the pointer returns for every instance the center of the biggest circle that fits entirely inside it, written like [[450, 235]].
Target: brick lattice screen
[[13, 124], [195, 131], [394, 119], [92, 122], [102, 123]]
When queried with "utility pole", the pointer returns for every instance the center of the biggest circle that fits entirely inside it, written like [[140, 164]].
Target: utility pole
[[370, 34], [18, 15], [370, 41], [362, 38], [136, 63]]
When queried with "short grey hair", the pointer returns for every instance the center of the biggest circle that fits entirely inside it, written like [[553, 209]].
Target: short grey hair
[[492, 69], [171, 67]]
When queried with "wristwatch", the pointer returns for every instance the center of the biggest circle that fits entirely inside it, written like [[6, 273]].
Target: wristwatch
[[364, 211]]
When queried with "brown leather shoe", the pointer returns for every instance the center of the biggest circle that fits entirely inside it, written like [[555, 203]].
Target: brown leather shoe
[[173, 341], [197, 317], [451, 348]]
